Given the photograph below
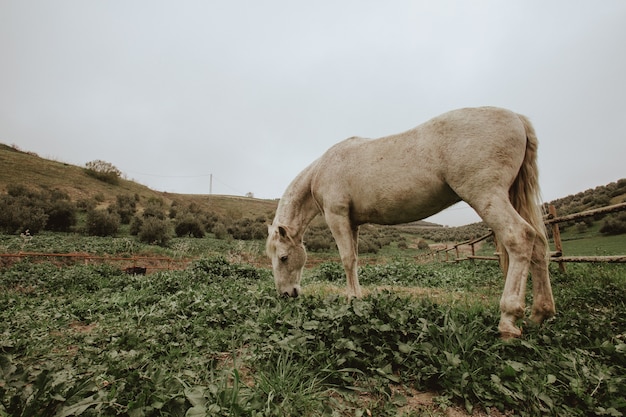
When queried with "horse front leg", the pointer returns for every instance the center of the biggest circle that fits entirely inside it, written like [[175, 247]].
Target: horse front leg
[[346, 237]]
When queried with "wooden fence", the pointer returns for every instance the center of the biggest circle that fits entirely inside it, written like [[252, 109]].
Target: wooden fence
[[455, 254]]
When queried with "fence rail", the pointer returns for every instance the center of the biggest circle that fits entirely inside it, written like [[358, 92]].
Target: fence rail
[[552, 221]]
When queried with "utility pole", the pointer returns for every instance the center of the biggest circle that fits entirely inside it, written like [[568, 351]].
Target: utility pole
[[211, 184]]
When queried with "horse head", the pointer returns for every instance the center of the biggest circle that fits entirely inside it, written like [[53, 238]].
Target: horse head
[[288, 257]]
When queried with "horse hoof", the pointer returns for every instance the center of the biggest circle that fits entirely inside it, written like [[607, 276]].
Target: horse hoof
[[509, 335]]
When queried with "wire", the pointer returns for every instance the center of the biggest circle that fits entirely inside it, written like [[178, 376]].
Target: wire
[[170, 176]]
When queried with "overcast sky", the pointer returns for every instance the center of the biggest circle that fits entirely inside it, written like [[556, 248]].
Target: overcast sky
[[253, 91]]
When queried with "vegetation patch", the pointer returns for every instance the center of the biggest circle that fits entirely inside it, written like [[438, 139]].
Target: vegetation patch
[[214, 339]]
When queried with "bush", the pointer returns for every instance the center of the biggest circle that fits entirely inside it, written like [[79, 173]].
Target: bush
[[103, 171], [135, 225], [155, 208], [368, 245], [220, 231], [18, 214], [247, 229], [318, 243], [318, 238], [422, 245], [101, 222], [155, 231], [61, 216], [125, 207], [189, 226], [23, 208], [614, 225]]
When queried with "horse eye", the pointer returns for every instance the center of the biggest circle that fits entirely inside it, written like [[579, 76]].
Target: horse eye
[[283, 258]]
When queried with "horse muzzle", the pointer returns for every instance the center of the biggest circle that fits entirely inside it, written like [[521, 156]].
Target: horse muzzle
[[293, 292]]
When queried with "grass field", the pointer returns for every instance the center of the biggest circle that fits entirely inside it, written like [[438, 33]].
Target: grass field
[[214, 339], [592, 243]]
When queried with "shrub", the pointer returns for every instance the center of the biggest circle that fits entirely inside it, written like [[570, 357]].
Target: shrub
[[247, 229], [220, 231], [318, 238], [103, 171], [61, 216], [318, 243], [126, 207], [101, 222], [19, 214], [135, 225], [154, 208], [189, 226], [368, 245], [422, 245], [155, 231], [614, 225], [23, 208]]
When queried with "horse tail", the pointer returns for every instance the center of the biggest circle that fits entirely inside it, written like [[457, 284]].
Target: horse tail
[[525, 193]]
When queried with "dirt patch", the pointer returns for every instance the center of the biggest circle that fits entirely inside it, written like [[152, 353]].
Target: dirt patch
[[81, 327], [426, 402]]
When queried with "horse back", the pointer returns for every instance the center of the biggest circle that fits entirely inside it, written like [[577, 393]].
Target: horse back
[[417, 173]]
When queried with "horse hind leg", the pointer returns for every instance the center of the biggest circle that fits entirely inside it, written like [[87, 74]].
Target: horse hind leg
[[517, 237], [543, 300]]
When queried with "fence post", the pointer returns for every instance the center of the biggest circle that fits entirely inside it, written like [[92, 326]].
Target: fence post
[[556, 234]]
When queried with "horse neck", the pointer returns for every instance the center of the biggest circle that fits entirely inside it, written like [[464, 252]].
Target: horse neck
[[297, 207]]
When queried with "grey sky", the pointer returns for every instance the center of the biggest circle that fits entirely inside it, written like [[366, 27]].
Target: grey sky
[[253, 91]]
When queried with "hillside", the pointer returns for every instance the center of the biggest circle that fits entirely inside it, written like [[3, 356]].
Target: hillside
[[27, 168], [600, 196]]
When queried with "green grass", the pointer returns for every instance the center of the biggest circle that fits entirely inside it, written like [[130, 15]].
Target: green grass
[[591, 242], [215, 340]]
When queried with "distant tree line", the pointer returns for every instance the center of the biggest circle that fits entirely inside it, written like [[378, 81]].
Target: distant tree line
[[24, 208]]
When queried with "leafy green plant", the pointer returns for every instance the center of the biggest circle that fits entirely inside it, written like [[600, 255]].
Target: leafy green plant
[[215, 339]]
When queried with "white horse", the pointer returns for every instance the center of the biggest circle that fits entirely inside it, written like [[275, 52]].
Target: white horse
[[484, 156]]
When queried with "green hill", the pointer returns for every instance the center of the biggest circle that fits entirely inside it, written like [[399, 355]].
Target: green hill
[[27, 168]]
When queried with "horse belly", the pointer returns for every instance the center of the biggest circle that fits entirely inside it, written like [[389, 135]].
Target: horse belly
[[384, 206]]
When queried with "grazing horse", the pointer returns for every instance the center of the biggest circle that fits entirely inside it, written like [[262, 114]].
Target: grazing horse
[[485, 156]]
